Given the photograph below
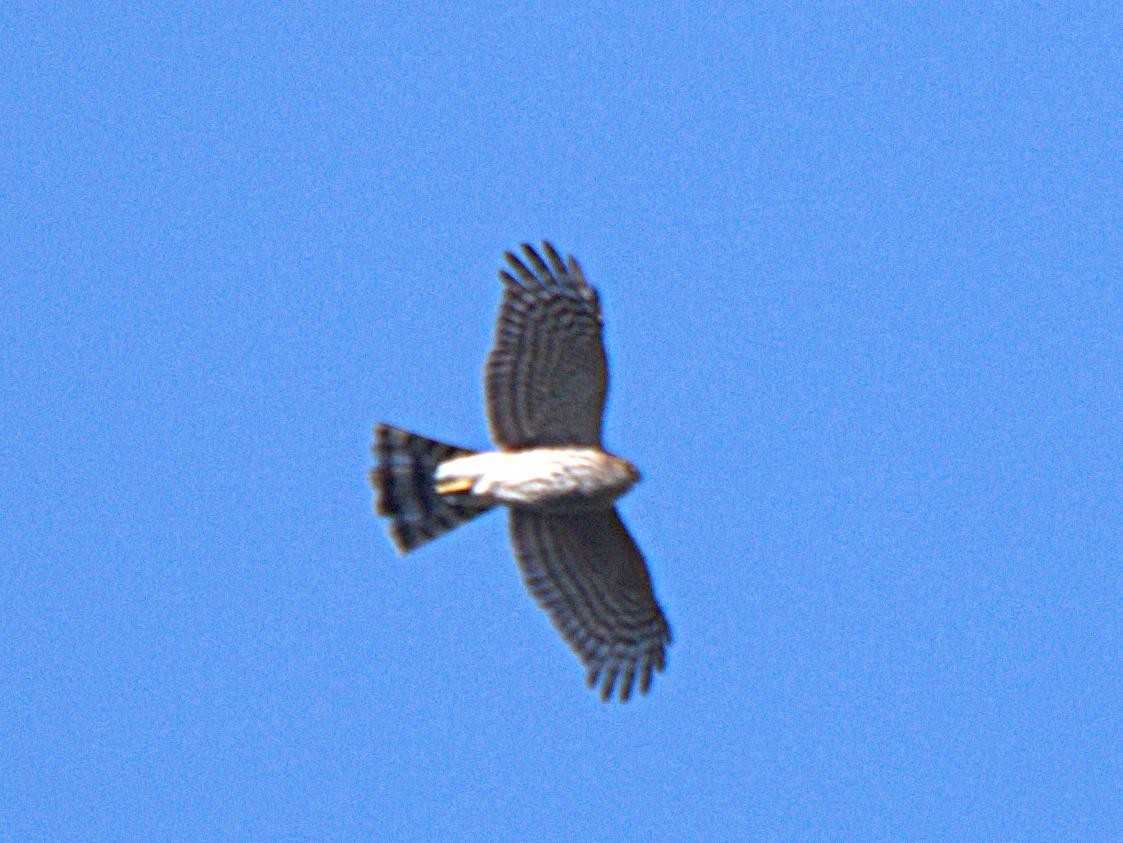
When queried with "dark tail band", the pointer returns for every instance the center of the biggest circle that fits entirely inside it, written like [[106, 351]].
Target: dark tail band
[[403, 482]]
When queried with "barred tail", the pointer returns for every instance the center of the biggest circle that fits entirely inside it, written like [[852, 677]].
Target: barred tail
[[403, 482]]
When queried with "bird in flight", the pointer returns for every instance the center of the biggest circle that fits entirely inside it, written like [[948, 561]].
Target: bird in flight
[[546, 380]]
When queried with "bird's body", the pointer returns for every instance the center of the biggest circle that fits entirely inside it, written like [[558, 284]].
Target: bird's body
[[559, 480], [546, 381]]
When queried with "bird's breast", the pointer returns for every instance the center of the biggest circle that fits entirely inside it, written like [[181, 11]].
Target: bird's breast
[[549, 479]]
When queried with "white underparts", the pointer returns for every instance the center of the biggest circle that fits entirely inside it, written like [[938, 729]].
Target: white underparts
[[557, 479]]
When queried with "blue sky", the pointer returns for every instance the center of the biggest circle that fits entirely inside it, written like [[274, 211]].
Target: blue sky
[[864, 309]]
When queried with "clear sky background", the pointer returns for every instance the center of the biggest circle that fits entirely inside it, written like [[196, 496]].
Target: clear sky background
[[861, 273]]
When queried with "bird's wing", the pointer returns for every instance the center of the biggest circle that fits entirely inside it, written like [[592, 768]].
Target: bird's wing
[[547, 376], [587, 573]]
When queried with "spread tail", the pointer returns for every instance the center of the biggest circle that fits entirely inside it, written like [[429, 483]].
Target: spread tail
[[403, 481]]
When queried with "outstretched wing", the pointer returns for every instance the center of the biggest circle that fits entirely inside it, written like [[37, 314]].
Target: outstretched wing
[[587, 573], [546, 376]]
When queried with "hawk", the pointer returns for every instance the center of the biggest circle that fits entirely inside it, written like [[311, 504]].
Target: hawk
[[545, 382]]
